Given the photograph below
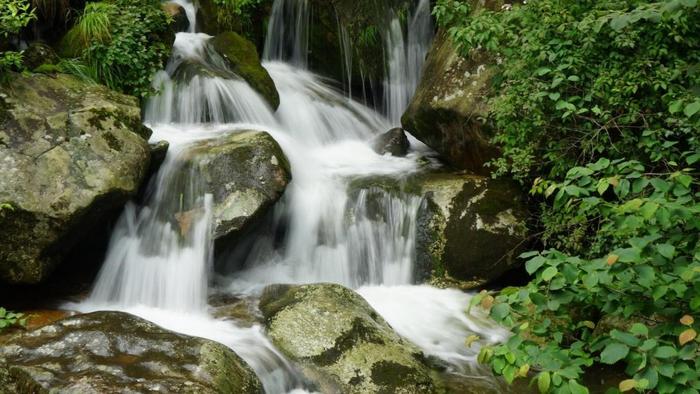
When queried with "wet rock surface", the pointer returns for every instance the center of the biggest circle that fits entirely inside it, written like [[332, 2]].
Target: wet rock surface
[[342, 342], [394, 142], [243, 60], [116, 352], [245, 171], [72, 154], [449, 110]]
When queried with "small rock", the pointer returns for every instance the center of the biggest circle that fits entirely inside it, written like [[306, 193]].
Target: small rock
[[394, 142]]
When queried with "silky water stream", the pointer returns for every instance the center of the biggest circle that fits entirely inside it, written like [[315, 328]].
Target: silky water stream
[[154, 271]]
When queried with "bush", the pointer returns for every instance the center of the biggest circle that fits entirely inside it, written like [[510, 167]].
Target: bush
[[14, 15], [121, 43], [597, 106]]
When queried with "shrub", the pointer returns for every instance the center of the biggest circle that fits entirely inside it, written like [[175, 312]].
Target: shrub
[[14, 15], [597, 105], [121, 43]]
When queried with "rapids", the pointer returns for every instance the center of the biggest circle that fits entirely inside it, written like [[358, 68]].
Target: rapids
[[153, 272]]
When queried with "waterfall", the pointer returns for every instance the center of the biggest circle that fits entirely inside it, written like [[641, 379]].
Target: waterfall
[[405, 55], [288, 33], [159, 263]]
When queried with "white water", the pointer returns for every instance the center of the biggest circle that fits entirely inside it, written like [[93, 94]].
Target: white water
[[160, 269], [405, 53]]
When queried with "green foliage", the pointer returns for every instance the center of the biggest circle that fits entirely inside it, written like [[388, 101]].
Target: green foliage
[[14, 15], [11, 319], [643, 267], [119, 43], [237, 12], [580, 80], [598, 105]]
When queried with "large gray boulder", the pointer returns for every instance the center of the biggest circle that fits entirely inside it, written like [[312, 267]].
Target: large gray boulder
[[245, 171], [71, 153], [341, 342], [107, 352], [449, 110], [470, 228]]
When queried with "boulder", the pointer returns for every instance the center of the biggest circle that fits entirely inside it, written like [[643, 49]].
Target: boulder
[[243, 59], [393, 142], [341, 342], [38, 53], [449, 110], [71, 154], [245, 171], [116, 352], [178, 16], [469, 228]]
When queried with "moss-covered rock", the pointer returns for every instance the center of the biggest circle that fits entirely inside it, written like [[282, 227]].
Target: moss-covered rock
[[38, 53], [449, 110], [116, 352], [71, 154], [470, 228], [243, 60], [246, 172], [342, 342]]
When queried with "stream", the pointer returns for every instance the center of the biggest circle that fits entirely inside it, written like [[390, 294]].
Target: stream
[[152, 271]]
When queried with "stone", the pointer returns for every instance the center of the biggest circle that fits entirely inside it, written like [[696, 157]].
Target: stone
[[71, 155], [245, 171], [342, 343], [178, 15], [395, 142], [243, 60], [449, 110], [38, 53], [470, 228], [105, 352]]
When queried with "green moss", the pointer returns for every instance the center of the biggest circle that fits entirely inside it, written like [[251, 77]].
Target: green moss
[[244, 61]]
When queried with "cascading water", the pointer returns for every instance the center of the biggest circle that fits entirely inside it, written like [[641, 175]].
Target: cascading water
[[405, 55], [159, 261]]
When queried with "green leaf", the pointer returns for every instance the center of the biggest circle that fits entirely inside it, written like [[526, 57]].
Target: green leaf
[[534, 264], [549, 273], [613, 353], [692, 108], [624, 337], [665, 352], [544, 381], [639, 329], [576, 388], [666, 250]]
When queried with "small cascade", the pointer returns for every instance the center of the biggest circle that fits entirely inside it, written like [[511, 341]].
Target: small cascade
[[161, 256], [288, 33], [197, 86], [405, 55]]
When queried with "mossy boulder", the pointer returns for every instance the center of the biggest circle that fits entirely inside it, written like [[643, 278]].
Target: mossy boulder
[[449, 111], [470, 228], [71, 155], [37, 54], [246, 172], [341, 342], [243, 59], [106, 352]]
